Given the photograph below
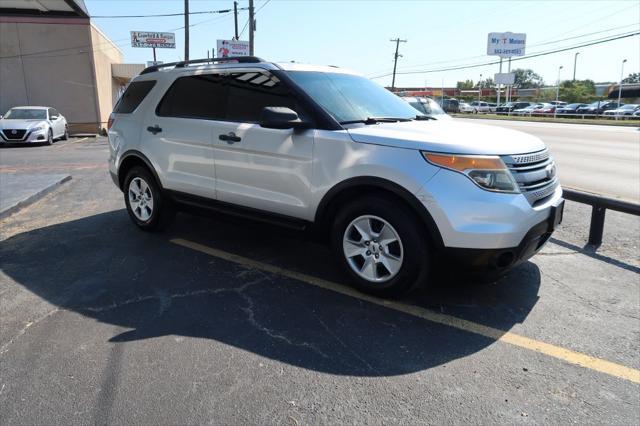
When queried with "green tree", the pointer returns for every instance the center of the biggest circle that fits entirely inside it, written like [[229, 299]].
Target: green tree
[[527, 79], [577, 91], [487, 82], [632, 78], [467, 84]]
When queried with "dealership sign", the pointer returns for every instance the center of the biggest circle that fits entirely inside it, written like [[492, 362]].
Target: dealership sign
[[228, 48], [506, 78], [506, 45], [151, 39]]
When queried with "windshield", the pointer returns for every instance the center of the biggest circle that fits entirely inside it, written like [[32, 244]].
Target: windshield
[[352, 98], [26, 114]]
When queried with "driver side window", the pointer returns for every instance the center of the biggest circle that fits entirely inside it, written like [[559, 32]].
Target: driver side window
[[53, 114]]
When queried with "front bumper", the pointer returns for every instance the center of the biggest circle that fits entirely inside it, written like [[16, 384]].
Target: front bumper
[[39, 136], [495, 262]]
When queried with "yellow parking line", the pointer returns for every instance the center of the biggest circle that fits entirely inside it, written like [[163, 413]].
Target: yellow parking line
[[558, 352]]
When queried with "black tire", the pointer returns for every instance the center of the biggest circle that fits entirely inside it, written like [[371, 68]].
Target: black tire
[[66, 133], [163, 211], [415, 267], [50, 137]]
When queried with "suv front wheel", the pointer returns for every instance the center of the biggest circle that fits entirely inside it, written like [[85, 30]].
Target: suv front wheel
[[145, 203], [380, 246]]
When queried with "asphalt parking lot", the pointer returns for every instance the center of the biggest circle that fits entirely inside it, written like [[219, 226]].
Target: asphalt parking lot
[[224, 321]]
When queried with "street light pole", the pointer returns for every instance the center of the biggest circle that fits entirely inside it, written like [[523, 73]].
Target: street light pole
[[479, 89], [557, 92], [186, 30], [620, 85], [575, 60]]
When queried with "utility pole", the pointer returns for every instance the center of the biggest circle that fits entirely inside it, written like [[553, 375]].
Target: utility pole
[[395, 61], [235, 17], [575, 61], [186, 30], [251, 28], [557, 91]]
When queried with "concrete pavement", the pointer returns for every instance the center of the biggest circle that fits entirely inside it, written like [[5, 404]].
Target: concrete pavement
[[600, 159]]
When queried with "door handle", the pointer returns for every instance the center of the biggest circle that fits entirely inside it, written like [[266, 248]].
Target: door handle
[[155, 129], [230, 138]]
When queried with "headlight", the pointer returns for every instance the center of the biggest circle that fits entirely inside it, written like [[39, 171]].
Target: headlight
[[488, 172], [37, 128]]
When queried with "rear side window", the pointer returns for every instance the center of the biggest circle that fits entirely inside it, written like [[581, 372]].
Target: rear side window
[[249, 92], [196, 96], [133, 96]]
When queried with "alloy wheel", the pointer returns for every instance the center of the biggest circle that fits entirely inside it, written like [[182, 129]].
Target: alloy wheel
[[140, 199]]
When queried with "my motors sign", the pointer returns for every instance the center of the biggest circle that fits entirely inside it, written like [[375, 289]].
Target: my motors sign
[[151, 39], [506, 44]]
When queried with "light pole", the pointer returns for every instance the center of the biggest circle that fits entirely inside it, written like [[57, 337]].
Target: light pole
[[575, 60], [479, 89], [620, 85], [557, 92]]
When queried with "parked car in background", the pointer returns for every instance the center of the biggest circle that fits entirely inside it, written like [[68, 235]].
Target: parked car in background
[[597, 108], [464, 107], [558, 103], [636, 114], [449, 105], [508, 107], [493, 107], [427, 106], [392, 190], [569, 109], [31, 124], [625, 111], [526, 110], [544, 110], [480, 106]]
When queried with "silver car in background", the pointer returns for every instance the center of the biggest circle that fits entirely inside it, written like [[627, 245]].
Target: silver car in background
[[37, 124]]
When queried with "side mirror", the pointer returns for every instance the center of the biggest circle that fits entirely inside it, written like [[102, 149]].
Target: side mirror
[[281, 118]]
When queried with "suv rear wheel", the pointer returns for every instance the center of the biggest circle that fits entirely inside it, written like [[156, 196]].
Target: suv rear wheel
[[380, 246], [145, 203]]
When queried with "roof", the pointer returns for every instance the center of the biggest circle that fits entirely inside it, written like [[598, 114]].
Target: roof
[[44, 8]]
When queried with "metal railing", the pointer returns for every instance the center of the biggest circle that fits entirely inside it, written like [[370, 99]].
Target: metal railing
[[599, 206]]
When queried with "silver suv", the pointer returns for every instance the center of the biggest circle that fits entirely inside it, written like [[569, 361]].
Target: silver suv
[[395, 192]]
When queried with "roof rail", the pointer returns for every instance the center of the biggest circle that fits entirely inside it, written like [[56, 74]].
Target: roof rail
[[182, 64]]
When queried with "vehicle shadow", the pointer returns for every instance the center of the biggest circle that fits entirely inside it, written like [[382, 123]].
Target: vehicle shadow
[[105, 269]]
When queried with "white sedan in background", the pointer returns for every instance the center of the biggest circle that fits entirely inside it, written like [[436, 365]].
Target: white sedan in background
[[33, 124], [466, 108], [625, 111]]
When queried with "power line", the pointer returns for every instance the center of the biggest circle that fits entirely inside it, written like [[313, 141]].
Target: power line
[[166, 14], [408, 67], [255, 13], [534, 55]]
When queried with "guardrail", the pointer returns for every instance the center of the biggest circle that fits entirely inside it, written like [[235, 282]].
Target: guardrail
[[599, 205]]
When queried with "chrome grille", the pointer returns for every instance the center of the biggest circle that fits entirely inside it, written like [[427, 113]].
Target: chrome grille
[[535, 174]]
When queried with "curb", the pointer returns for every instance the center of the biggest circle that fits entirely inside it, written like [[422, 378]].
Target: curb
[[33, 198]]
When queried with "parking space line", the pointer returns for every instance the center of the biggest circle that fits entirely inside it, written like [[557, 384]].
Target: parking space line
[[70, 143], [567, 355]]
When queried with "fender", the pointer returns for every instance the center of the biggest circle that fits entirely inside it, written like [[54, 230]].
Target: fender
[[140, 156], [389, 186]]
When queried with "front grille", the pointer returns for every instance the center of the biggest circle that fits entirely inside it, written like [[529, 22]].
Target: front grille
[[535, 174], [10, 135]]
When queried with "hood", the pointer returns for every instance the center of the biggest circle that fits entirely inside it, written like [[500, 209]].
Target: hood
[[450, 136], [7, 123]]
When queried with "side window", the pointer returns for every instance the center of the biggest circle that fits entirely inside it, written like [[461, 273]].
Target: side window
[[195, 96], [133, 96], [53, 114], [249, 92]]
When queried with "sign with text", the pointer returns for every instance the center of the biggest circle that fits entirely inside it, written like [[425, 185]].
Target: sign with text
[[506, 45], [506, 78], [151, 39], [228, 48]]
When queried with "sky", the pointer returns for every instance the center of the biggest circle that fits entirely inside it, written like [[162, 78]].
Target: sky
[[356, 34]]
